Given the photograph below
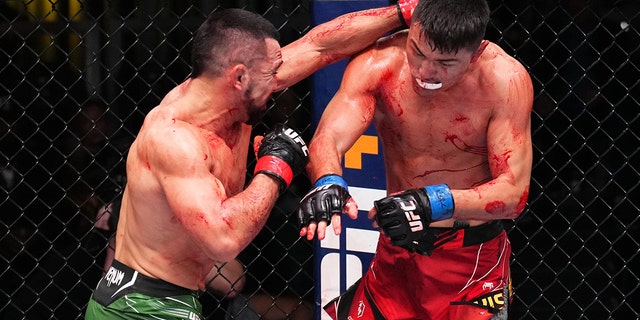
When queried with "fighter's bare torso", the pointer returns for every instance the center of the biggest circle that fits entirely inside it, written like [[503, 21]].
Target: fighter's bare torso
[[440, 136], [146, 215]]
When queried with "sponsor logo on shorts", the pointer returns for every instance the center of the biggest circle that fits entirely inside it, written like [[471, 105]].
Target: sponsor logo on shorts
[[114, 276], [361, 307], [193, 316], [487, 286], [493, 300]]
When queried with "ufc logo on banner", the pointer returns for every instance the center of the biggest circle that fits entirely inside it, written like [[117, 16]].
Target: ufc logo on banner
[[415, 222]]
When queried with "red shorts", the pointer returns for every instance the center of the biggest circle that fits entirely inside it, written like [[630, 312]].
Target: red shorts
[[466, 277]]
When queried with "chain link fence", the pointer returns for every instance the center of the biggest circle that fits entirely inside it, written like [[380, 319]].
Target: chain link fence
[[77, 78]]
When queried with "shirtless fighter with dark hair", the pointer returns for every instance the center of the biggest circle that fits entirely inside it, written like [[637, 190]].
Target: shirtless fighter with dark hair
[[185, 207], [453, 114]]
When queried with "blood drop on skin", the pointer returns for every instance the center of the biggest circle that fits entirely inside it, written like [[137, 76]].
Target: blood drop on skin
[[494, 207]]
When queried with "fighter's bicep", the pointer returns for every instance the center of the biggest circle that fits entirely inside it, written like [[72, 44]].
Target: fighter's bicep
[[355, 101], [195, 202], [510, 121], [185, 177], [346, 117], [509, 145]]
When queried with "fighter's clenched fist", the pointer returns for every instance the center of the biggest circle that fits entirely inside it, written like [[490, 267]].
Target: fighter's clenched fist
[[282, 155], [404, 217]]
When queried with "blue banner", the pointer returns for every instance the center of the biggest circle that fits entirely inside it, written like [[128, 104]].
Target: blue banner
[[342, 260]]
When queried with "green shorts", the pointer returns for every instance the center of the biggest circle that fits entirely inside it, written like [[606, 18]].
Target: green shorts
[[123, 293]]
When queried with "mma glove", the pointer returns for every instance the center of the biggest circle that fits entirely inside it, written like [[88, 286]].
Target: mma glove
[[329, 196], [405, 217], [282, 155], [405, 11]]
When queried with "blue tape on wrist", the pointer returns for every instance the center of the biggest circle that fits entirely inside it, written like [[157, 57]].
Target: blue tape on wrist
[[441, 201], [331, 179]]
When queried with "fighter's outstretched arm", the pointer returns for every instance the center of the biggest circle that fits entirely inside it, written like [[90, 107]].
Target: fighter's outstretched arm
[[335, 40]]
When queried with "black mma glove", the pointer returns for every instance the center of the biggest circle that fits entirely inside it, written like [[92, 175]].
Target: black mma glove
[[328, 197], [282, 155], [404, 217]]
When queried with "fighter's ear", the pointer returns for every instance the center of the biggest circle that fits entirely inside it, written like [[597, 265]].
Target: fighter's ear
[[478, 52], [238, 76]]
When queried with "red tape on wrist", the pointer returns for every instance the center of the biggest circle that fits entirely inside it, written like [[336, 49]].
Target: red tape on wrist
[[405, 10], [275, 166]]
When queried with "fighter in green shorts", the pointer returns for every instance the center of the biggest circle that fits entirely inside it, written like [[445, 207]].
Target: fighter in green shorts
[[123, 293]]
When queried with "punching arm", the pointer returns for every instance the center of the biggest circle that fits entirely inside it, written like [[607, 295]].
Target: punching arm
[[337, 39]]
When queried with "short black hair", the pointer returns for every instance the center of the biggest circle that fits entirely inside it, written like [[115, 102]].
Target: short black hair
[[451, 25], [230, 35]]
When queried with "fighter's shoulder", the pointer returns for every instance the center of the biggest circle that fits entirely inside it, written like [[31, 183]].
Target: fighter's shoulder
[[388, 52], [395, 40], [391, 48], [500, 64], [162, 129], [505, 76]]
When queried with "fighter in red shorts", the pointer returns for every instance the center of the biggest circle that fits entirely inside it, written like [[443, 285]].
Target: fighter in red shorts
[[453, 115]]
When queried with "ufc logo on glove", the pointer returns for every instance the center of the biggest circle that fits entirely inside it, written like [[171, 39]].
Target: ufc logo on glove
[[414, 220]]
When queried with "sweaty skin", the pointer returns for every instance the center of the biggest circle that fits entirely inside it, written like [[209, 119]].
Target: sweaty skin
[[178, 217], [472, 134], [184, 208]]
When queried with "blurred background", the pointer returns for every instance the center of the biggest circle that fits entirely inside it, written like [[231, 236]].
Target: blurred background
[[77, 78]]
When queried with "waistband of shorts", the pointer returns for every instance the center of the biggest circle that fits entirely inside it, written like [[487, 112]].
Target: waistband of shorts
[[461, 236], [121, 279]]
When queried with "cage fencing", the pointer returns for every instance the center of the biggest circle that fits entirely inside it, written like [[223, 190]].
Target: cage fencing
[[77, 78]]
